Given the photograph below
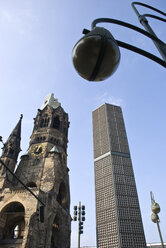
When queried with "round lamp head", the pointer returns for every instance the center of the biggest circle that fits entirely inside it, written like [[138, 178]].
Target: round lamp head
[[96, 56], [154, 218], [155, 207]]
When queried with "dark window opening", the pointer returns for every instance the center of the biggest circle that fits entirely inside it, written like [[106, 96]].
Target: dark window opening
[[44, 122], [11, 151], [62, 196], [31, 185], [56, 122]]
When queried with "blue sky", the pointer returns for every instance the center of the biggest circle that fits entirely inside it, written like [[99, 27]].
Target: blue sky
[[36, 43]]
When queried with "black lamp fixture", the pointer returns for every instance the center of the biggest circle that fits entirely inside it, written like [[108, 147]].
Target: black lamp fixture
[[96, 55]]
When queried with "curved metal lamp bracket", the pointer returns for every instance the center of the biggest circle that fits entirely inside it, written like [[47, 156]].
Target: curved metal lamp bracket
[[130, 47], [154, 17], [143, 20], [147, 6]]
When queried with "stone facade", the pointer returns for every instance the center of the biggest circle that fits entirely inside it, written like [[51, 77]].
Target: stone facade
[[43, 168]]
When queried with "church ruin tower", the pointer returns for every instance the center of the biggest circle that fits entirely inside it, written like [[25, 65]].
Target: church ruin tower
[[43, 169], [10, 154]]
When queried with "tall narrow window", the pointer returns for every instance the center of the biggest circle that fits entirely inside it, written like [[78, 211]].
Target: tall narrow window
[[62, 196], [56, 122], [44, 122]]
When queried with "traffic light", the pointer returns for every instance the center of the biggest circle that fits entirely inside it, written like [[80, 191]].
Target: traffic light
[[83, 218], [83, 207], [80, 227], [75, 218], [75, 207], [75, 213], [40, 213], [83, 212]]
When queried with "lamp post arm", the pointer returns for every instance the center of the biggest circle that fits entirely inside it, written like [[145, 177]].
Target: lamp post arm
[[144, 22], [142, 52], [11, 172], [130, 47]]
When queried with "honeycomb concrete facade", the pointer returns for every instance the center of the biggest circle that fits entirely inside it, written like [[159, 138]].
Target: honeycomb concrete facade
[[43, 168], [118, 217]]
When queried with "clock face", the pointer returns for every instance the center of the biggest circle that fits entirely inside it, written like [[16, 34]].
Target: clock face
[[38, 150]]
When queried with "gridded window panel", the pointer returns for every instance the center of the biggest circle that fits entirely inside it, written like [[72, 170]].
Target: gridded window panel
[[136, 226], [122, 136], [133, 202], [104, 193], [128, 170], [107, 214], [107, 229], [115, 147], [107, 171], [139, 241], [124, 213], [114, 139], [104, 200], [116, 160], [118, 169], [124, 148], [103, 182], [105, 204], [131, 190], [135, 213], [122, 201], [101, 143], [102, 163], [129, 180], [126, 161], [119, 179], [108, 242], [98, 165], [120, 189], [113, 240], [127, 241], [103, 173], [124, 226]]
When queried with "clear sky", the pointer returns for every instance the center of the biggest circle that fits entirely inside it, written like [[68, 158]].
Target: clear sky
[[36, 41]]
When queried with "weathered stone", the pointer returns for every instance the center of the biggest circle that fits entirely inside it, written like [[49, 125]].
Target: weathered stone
[[43, 168]]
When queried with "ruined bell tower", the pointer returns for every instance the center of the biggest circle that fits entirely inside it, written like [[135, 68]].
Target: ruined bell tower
[[43, 169]]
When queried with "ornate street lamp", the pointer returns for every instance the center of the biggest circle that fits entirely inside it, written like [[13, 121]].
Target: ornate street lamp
[[154, 216], [96, 55]]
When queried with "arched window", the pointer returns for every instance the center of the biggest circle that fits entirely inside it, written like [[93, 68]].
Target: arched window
[[13, 221], [62, 196], [56, 122]]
